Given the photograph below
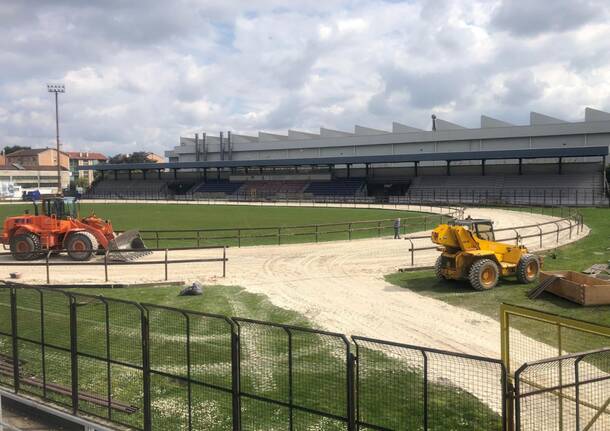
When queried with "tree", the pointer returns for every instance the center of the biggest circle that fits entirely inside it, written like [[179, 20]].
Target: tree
[[136, 157], [13, 148]]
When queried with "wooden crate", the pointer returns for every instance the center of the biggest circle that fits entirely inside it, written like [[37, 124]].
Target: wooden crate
[[579, 288]]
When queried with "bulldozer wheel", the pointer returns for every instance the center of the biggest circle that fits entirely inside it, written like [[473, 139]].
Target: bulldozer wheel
[[80, 246], [484, 274], [528, 268], [438, 268], [25, 246]]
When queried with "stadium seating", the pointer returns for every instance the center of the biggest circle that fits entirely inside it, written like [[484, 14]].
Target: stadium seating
[[130, 188], [272, 188], [549, 189], [216, 188], [342, 187]]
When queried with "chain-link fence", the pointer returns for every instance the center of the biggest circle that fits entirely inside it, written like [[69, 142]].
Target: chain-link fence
[[151, 367], [568, 393]]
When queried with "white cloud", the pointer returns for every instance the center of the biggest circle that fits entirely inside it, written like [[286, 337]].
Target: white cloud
[[140, 80]]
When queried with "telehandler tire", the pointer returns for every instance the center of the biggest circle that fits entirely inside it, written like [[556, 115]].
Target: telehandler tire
[[81, 246], [484, 274], [528, 268], [25, 246], [438, 269]]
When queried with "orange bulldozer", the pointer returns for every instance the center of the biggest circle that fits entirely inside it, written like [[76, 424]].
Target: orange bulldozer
[[56, 227]]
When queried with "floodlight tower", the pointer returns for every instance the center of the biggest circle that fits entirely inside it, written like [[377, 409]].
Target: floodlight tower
[[57, 88]]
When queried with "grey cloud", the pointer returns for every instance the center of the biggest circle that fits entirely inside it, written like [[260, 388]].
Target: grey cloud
[[530, 18], [522, 89]]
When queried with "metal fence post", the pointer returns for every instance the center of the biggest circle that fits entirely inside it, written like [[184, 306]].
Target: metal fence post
[[557, 226], [279, 236], [425, 390], [577, 391], [235, 377], [378, 228], [224, 261], [165, 264], [157, 237], [238, 237], [351, 390], [106, 265], [349, 231], [46, 258], [198, 239], [317, 228], [15, 342], [73, 354], [146, 370]]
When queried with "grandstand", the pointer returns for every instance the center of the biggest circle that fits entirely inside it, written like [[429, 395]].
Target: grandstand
[[549, 161]]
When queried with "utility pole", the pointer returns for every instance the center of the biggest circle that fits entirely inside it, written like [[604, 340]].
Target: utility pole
[[57, 88]]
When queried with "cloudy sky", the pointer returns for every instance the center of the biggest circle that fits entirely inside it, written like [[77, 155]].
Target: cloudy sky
[[140, 74]]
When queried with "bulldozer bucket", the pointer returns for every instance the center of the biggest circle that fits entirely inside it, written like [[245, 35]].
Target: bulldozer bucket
[[130, 241]]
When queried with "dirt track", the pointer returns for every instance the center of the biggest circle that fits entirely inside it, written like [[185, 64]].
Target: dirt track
[[339, 285]]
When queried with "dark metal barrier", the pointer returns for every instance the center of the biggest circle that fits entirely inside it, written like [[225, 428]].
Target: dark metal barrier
[[568, 393], [576, 196], [508, 196], [108, 262], [152, 367]]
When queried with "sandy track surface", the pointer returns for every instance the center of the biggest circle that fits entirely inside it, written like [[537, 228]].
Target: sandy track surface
[[339, 285]]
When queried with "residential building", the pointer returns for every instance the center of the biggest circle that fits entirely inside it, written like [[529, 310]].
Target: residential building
[[155, 158], [79, 158], [38, 157]]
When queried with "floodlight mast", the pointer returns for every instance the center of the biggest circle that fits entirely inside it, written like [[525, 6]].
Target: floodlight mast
[[57, 88]]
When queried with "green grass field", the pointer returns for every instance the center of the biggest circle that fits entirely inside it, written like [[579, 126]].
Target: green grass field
[[391, 388], [578, 256], [254, 225]]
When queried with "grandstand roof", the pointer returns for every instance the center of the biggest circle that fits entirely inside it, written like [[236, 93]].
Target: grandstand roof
[[537, 153]]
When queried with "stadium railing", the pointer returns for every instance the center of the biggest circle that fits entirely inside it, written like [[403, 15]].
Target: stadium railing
[[479, 196], [52, 258], [574, 222]]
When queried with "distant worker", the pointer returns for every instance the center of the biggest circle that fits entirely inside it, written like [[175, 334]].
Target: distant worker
[[397, 228]]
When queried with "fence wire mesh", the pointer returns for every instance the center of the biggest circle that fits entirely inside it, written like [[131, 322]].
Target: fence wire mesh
[[570, 393], [409, 387]]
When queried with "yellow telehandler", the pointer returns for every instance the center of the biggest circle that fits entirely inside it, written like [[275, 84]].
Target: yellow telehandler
[[470, 252]]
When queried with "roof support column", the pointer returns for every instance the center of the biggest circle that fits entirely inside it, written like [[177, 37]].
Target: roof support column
[[448, 168], [348, 166], [175, 174], [560, 167], [116, 174], [218, 174], [205, 175], [102, 173], [366, 170], [159, 173], [416, 165], [520, 166], [144, 174], [604, 182], [129, 174], [260, 170], [483, 167]]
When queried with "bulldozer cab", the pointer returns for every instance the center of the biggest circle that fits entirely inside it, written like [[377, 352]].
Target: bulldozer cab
[[61, 208], [482, 228]]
